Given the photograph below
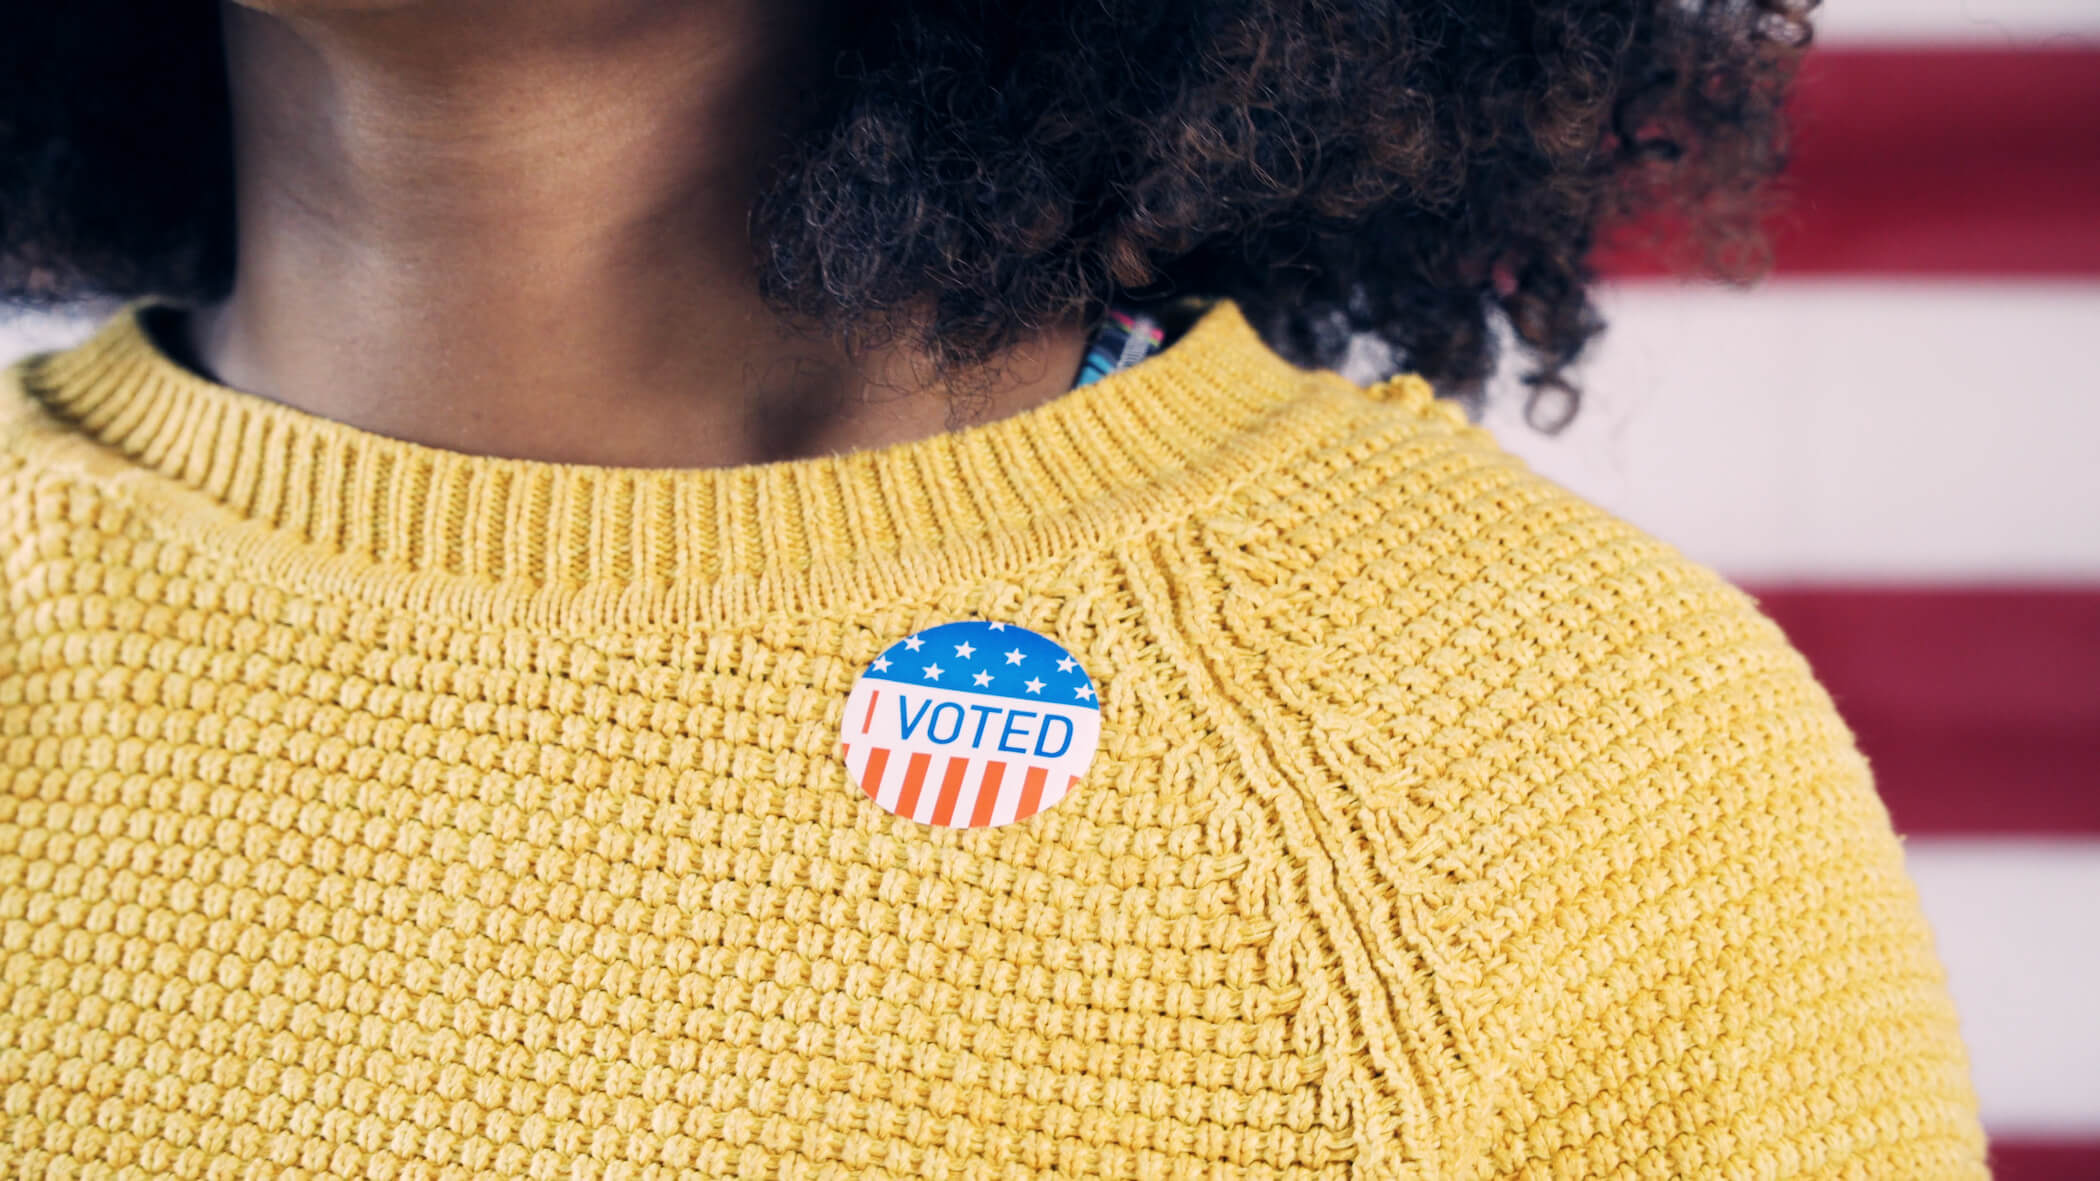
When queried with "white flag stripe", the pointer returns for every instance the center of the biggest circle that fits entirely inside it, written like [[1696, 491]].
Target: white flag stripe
[[892, 779], [2015, 922], [1009, 795], [1985, 24], [1798, 433], [22, 333]]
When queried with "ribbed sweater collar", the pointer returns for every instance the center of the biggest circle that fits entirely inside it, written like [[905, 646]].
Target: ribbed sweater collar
[[1038, 482]]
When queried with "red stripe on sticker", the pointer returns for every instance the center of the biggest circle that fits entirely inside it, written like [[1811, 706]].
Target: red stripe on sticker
[[871, 777], [1938, 161], [914, 775], [987, 794], [951, 790], [1978, 708], [1031, 793]]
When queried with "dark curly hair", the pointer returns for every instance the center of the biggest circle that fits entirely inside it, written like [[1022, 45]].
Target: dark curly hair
[[1410, 172]]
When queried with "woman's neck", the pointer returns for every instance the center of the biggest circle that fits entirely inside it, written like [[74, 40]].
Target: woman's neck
[[521, 230]]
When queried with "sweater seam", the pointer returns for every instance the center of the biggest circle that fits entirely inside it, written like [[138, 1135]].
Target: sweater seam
[[1251, 745]]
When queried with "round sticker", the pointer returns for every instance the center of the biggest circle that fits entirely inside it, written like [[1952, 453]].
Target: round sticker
[[970, 725]]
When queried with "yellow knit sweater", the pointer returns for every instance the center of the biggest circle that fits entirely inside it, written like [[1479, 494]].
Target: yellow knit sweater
[[378, 810]]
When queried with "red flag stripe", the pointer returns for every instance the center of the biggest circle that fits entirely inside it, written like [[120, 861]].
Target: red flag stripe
[[1031, 793], [2044, 1160], [914, 777], [951, 791], [988, 794], [1939, 161], [1979, 708], [871, 777]]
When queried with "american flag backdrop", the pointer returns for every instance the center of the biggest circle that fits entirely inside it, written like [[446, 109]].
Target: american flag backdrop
[[1895, 444]]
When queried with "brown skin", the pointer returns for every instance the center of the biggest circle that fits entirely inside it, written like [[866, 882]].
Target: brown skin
[[519, 229]]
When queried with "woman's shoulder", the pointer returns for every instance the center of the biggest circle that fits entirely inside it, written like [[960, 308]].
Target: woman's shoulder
[[1454, 639], [1592, 789], [1405, 535], [1441, 627], [1433, 626]]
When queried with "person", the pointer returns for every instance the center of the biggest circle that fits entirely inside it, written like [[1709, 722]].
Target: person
[[505, 660]]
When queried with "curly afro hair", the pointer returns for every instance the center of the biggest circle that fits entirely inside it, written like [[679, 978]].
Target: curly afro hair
[[1419, 173]]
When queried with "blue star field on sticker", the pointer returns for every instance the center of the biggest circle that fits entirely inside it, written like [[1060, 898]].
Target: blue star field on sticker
[[982, 657]]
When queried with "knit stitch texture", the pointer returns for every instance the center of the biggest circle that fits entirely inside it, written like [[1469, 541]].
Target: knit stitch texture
[[377, 810]]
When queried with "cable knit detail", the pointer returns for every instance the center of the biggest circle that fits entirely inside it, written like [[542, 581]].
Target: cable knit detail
[[377, 810]]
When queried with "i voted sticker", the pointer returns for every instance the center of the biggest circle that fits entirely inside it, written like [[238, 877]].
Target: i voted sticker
[[970, 725]]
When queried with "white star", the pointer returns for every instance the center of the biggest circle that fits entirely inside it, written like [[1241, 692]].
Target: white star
[[982, 679], [1015, 657], [998, 627], [1034, 686], [1083, 692], [913, 642], [964, 650], [881, 665], [1065, 665], [933, 672]]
